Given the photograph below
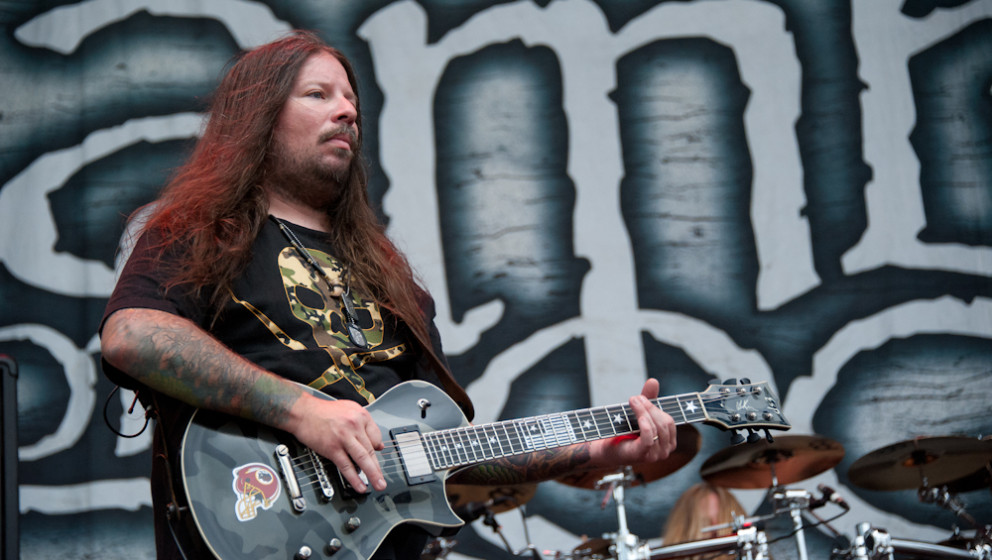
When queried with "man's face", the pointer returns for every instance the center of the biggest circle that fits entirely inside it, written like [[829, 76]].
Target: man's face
[[316, 134]]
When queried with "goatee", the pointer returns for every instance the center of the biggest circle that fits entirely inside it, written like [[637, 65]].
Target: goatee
[[309, 180]]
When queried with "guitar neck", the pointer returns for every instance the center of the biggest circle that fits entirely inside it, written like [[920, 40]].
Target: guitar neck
[[461, 447]]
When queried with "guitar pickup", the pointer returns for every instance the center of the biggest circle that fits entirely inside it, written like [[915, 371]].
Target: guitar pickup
[[413, 456]]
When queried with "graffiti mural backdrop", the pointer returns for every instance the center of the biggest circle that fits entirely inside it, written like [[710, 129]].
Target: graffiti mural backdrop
[[595, 192]]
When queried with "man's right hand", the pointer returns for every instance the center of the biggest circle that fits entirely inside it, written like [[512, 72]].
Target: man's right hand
[[344, 432]]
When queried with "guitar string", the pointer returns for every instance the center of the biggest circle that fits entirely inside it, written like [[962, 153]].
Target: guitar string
[[457, 435], [473, 432], [392, 463]]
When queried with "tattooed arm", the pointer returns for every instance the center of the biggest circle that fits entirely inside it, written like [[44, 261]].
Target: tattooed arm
[[174, 356], [655, 442]]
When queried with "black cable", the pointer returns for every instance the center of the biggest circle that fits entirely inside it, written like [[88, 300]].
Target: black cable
[[106, 420], [172, 531], [818, 523]]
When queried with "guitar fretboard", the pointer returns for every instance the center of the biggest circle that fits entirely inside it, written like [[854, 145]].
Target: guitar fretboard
[[475, 444]]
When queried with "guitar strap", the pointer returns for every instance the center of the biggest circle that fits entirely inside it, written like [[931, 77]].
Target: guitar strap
[[175, 516]]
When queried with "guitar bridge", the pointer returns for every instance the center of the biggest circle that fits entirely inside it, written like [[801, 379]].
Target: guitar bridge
[[324, 483]]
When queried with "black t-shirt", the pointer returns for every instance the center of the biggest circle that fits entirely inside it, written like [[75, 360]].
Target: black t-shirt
[[281, 316]]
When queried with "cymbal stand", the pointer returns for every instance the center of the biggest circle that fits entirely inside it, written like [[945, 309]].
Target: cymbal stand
[[797, 501], [489, 519], [945, 499], [625, 542]]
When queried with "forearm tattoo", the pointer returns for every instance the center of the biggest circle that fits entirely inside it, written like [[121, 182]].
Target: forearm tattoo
[[193, 367], [528, 467]]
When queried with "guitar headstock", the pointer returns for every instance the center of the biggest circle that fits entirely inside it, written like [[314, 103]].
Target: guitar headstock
[[733, 405]]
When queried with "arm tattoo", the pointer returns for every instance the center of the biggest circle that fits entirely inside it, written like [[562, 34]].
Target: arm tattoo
[[528, 467], [187, 364]]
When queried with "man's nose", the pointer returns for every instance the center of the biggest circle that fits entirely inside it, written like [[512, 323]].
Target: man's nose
[[345, 112]]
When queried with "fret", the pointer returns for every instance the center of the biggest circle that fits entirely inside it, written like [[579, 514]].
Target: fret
[[431, 445], [530, 442], [448, 447], [487, 442], [552, 435], [576, 424], [592, 421], [564, 434], [618, 420], [689, 409], [516, 442], [678, 403], [493, 436], [461, 445], [478, 453], [632, 425]]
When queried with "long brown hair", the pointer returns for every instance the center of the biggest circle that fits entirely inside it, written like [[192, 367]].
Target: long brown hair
[[690, 515], [214, 207]]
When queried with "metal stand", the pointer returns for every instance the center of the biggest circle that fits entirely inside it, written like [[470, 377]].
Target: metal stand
[[9, 514], [797, 501], [624, 542], [749, 543]]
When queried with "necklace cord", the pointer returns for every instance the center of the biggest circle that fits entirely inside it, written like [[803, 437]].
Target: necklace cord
[[342, 292]]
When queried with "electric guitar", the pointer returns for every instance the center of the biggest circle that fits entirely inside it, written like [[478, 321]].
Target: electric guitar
[[258, 493]]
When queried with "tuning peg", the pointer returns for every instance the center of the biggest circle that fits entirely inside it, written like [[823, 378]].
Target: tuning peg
[[753, 436], [731, 381], [768, 437], [745, 381], [736, 438]]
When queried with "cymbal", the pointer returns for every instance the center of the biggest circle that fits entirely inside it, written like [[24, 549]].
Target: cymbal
[[982, 478], [787, 460], [687, 445], [922, 461], [473, 500]]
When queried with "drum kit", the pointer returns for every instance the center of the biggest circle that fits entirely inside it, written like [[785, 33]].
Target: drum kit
[[939, 468]]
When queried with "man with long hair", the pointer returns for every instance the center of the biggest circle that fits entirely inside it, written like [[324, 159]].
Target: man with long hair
[[262, 268], [700, 507]]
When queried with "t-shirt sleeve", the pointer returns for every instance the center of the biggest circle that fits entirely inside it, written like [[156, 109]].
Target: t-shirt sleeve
[[141, 285]]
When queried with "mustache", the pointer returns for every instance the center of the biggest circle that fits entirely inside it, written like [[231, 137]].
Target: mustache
[[342, 130]]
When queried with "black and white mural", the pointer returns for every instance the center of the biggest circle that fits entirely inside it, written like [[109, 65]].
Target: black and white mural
[[595, 192]]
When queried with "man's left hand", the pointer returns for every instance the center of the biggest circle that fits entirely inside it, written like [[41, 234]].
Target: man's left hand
[[654, 443]]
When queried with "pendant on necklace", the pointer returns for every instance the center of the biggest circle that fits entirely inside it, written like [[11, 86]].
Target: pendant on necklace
[[355, 333]]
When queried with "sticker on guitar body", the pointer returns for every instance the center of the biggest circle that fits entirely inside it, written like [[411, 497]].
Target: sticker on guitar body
[[257, 486]]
